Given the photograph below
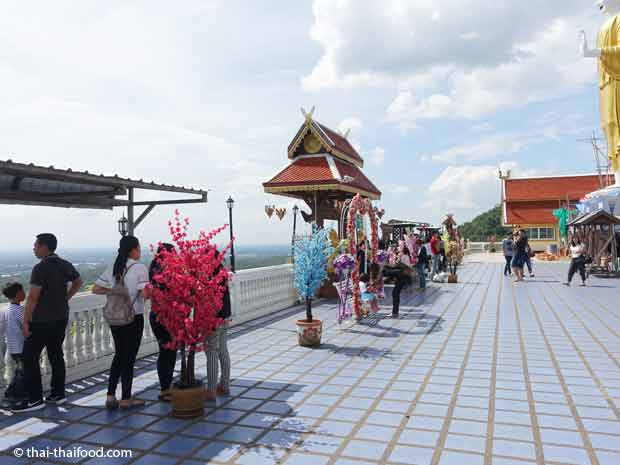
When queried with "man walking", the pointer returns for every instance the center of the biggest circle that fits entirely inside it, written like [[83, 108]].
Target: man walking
[[45, 321], [508, 246]]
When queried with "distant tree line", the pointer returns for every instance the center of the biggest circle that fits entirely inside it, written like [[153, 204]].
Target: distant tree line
[[484, 225]]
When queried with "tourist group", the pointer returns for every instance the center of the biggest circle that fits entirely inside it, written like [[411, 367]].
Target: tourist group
[[127, 285]]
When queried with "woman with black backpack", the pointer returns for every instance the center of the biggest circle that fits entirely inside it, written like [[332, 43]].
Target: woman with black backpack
[[124, 286]]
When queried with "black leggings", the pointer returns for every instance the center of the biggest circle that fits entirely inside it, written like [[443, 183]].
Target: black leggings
[[577, 264], [126, 345], [402, 281], [167, 359], [508, 268]]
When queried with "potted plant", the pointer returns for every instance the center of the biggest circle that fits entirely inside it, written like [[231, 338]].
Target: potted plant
[[187, 294], [311, 257]]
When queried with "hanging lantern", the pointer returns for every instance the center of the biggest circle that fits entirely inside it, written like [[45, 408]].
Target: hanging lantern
[[280, 213], [269, 209]]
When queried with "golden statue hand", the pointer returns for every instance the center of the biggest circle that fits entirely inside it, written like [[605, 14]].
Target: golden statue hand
[[586, 51]]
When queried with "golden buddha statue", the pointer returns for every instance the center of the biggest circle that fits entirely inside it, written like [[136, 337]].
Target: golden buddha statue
[[608, 54]]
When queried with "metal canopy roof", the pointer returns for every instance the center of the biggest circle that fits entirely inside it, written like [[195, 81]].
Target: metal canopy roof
[[28, 184]]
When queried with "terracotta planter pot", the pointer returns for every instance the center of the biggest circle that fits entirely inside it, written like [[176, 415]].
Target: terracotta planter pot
[[188, 402], [309, 333], [452, 278]]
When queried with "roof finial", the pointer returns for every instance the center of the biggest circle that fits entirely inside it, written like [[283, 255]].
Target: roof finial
[[307, 115]]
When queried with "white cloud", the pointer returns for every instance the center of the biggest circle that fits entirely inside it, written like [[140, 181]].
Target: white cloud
[[377, 156], [469, 190], [500, 145], [456, 59]]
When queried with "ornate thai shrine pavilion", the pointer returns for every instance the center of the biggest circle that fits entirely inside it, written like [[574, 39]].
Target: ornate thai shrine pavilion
[[324, 171]]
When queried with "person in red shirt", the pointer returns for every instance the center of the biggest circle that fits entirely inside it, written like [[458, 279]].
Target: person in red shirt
[[435, 253]]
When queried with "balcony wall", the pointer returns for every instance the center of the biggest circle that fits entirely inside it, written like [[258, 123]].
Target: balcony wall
[[89, 345]]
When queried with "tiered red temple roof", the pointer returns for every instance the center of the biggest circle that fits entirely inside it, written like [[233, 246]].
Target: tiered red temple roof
[[322, 160]]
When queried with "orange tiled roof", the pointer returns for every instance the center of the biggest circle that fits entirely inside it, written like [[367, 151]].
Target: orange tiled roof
[[532, 200], [340, 143], [551, 188], [316, 171], [304, 170], [359, 178]]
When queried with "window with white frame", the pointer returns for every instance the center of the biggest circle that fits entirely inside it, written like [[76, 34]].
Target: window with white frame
[[541, 234]]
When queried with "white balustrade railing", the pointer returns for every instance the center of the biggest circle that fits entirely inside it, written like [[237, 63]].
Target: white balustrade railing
[[89, 345]]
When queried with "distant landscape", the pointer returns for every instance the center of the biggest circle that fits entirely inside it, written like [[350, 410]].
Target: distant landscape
[[91, 263]]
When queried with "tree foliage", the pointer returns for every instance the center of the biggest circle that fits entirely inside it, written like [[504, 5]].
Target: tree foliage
[[484, 225]]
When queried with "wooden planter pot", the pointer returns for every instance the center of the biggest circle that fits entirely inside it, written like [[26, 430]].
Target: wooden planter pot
[[309, 333], [188, 402]]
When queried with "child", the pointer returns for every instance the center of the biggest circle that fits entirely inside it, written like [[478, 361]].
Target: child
[[375, 286], [16, 295], [368, 297]]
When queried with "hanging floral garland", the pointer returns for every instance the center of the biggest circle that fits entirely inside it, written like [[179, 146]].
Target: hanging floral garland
[[360, 206], [344, 264]]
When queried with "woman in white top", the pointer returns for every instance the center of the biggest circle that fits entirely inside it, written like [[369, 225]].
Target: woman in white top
[[578, 261], [127, 338]]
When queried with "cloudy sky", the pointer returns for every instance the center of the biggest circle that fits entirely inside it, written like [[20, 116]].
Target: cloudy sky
[[438, 95]]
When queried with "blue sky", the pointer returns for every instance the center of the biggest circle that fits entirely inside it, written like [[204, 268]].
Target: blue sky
[[207, 93]]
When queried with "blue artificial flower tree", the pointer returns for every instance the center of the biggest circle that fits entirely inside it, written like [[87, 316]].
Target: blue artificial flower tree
[[311, 256]]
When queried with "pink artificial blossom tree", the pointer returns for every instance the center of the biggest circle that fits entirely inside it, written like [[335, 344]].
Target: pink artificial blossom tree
[[188, 290]]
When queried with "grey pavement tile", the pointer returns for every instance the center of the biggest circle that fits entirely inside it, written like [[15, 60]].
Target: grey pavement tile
[[241, 434], [337, 428], [167, 425], [142, 440], [385, 418], [478, 428], [377, 433], [259, 420], [467, 443], [605, 441], [297, 458], [460, 458], [204, 429], [261, 456], [219, 451], [280, 438], [347, 414], [608, 458], [180, 445], [563, 454], [225, 416], [601, 426], [107, 435], [524, 450], [561, 437], [320, 444], [278, 408], [155, 459], [419, 437], [411, 455], [365, 449], [522, 433]]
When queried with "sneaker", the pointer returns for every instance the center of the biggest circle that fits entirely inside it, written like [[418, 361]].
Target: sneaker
[[531, 275], [583, 284], [27, 406], [58, 400]]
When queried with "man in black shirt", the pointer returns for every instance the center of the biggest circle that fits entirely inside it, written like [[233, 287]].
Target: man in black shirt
[[45, 321]]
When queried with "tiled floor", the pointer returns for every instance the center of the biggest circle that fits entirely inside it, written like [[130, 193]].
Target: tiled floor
[[482, 372]]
